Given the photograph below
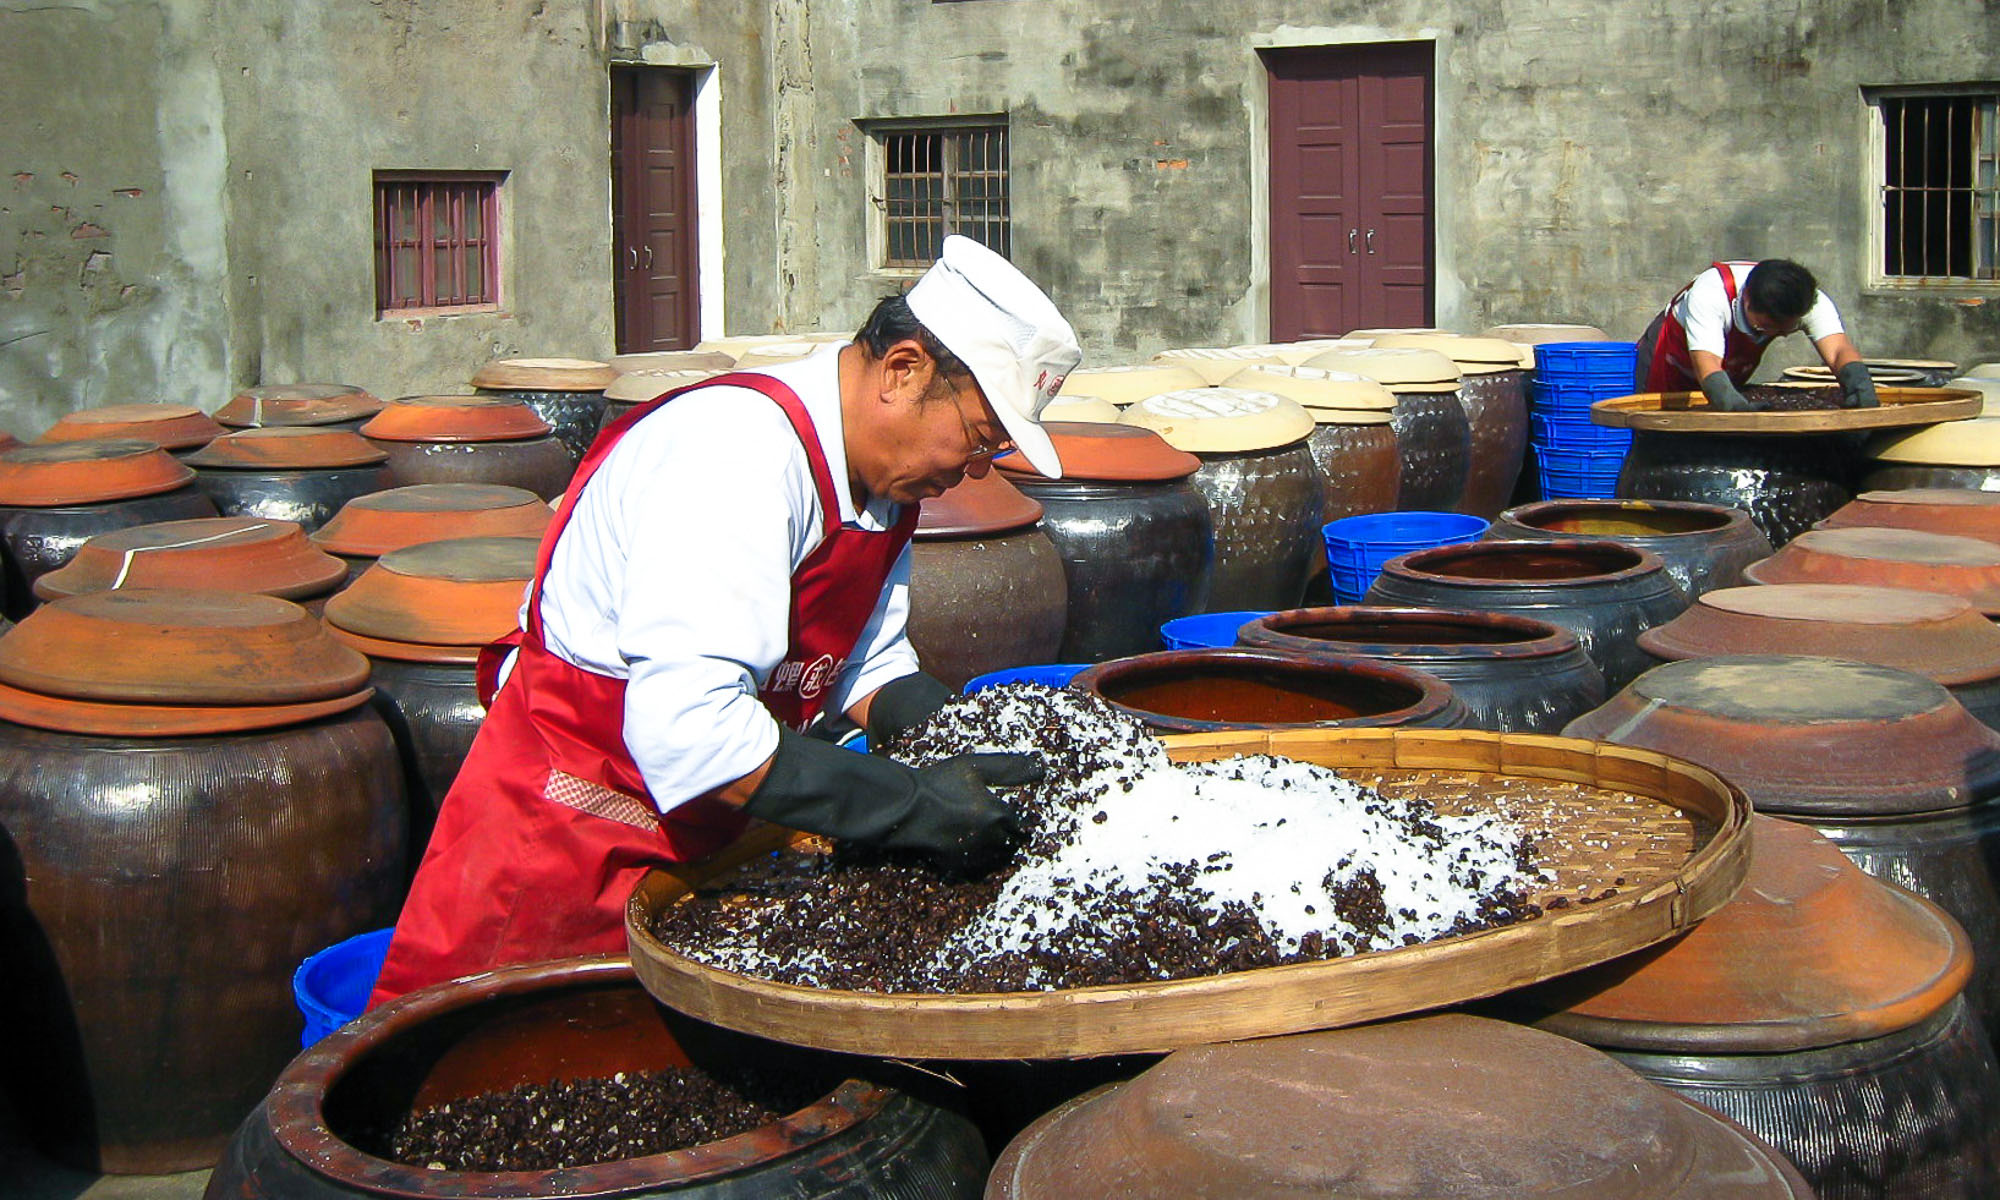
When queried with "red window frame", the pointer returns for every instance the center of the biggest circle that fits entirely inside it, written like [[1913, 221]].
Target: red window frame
[[437, 241]]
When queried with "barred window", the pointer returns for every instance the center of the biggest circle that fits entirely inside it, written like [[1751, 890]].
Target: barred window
[[437, 243], [941, 180], [1939, 190]]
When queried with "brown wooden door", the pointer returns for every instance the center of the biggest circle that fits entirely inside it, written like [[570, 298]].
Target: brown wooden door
[[653, 208], [1351, 222]]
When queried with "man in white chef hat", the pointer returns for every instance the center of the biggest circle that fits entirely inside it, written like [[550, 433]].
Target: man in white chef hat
[[729, 567]]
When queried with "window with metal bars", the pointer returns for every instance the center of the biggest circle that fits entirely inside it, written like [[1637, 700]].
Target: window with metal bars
[[1939, 190], [941, 180], [437, 243]]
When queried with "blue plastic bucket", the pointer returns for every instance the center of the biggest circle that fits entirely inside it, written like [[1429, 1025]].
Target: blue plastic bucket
[[331, 988], [1578, 474], [1356, 547], [1583, 361], [1207, 631], [1053, 675]]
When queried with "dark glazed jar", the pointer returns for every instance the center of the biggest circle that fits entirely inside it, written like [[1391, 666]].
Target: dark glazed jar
[[301, 474], [637, 386], [1493, 389], [186, 824], [1785, 482], [1513, 674], [987, 589], [470, 439], [568, 393], [1603, 592], [1704, 546], [1202, 691], [1135, 537], [1432, 431], [579, 1019]]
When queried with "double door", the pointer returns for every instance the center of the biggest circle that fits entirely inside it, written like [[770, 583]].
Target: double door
[[653, 208]]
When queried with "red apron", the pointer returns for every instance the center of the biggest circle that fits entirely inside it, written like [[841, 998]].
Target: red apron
[[549, 825], [1673, 365]]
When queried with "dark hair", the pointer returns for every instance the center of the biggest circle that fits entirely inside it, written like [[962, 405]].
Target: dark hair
[[892, 322], [1781, 288]]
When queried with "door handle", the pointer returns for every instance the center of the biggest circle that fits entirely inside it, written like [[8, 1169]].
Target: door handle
[[1351, 235], [633, 251], [1370, 240], [649, 257]]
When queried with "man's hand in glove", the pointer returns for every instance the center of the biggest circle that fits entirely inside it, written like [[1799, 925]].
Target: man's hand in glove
[[901, 703], [1857, 386], [945, 810], [1722, 394]]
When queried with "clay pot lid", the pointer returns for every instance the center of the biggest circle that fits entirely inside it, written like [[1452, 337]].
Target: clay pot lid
[[1315, 387], [1956, 511], [1093, 452], [88, 472], [1092, 409], [1940, 637], [637, 387], [1812, 951], [1401, 370], [174, 649], [545, 375], [1985, 370], [1806, 735], [1175, 690], [284, 404], [455, 419], [168, 426], [1974, 442], [1473, 355], [287, 448], [1431, 1106], [1566, 562], [230, 554], [373, 525], [776, 354], [1213, 363], [1125, 385], [1877, 373], [672, 360], [1217, 420], [1534, 333], [436, 601], [1907, 558], [975, 508]]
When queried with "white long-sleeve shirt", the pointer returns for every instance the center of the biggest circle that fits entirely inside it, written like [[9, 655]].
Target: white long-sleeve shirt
[[674, 573], [1707, 312]]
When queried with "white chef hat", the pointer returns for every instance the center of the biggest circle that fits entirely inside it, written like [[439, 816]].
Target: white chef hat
[[995, 320]]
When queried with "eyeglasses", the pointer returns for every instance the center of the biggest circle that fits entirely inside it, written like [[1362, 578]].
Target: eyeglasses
[[977, 447], [1764, 327]]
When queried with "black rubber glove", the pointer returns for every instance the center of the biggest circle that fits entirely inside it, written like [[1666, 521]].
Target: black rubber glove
[[1722, 394], [901, 703], [944, 810], [1857, 386]]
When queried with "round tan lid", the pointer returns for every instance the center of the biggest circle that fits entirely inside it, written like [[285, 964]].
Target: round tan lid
[[288, 448], [1131, 384], [637, 387], [455, 419], [168, 426], [87, 472], [1401, 370], [1376, 334], [1470, 353], [1450, 1105], [1989, 370], [231, 554], [1969, 443], [1316, 387], [544, 375], [673, 360], [1988, 388], [297, 404], [1878, 373], [1104, 453], [774, 353], [1812, 952], [1214, 364], [977, 507], [375, 524], [739, 345], [1295, 353], [1222, 420], [1080, 408], [1957, 511], [437, 601], [1907, 558], [1535, 333]]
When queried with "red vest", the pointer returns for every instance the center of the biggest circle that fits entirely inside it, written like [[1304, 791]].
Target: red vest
[[1673, 363], [549, 825]]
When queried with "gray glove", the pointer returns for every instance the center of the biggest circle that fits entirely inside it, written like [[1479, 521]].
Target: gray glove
[[1722, 394], [1857, 386]]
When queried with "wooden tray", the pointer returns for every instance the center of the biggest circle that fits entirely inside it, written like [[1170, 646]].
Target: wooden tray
[[1680, 860], [1688, 412]]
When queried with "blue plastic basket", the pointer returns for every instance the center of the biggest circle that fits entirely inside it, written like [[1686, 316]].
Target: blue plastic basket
[[1580, 361], [1207, 631], [1561, 433], [1356, 547], [1573, 398], [331, 988], [1054, 675], [1577, 474]]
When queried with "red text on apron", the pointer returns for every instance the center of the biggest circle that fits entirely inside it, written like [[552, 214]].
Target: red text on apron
[[1673, 364], [549, 825]]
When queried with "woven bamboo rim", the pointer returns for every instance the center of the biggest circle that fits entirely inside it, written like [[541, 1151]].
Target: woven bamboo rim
[[1688, 412], [1677, 870]]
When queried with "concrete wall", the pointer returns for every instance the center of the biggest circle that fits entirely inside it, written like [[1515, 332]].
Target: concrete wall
[[185, 184]]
